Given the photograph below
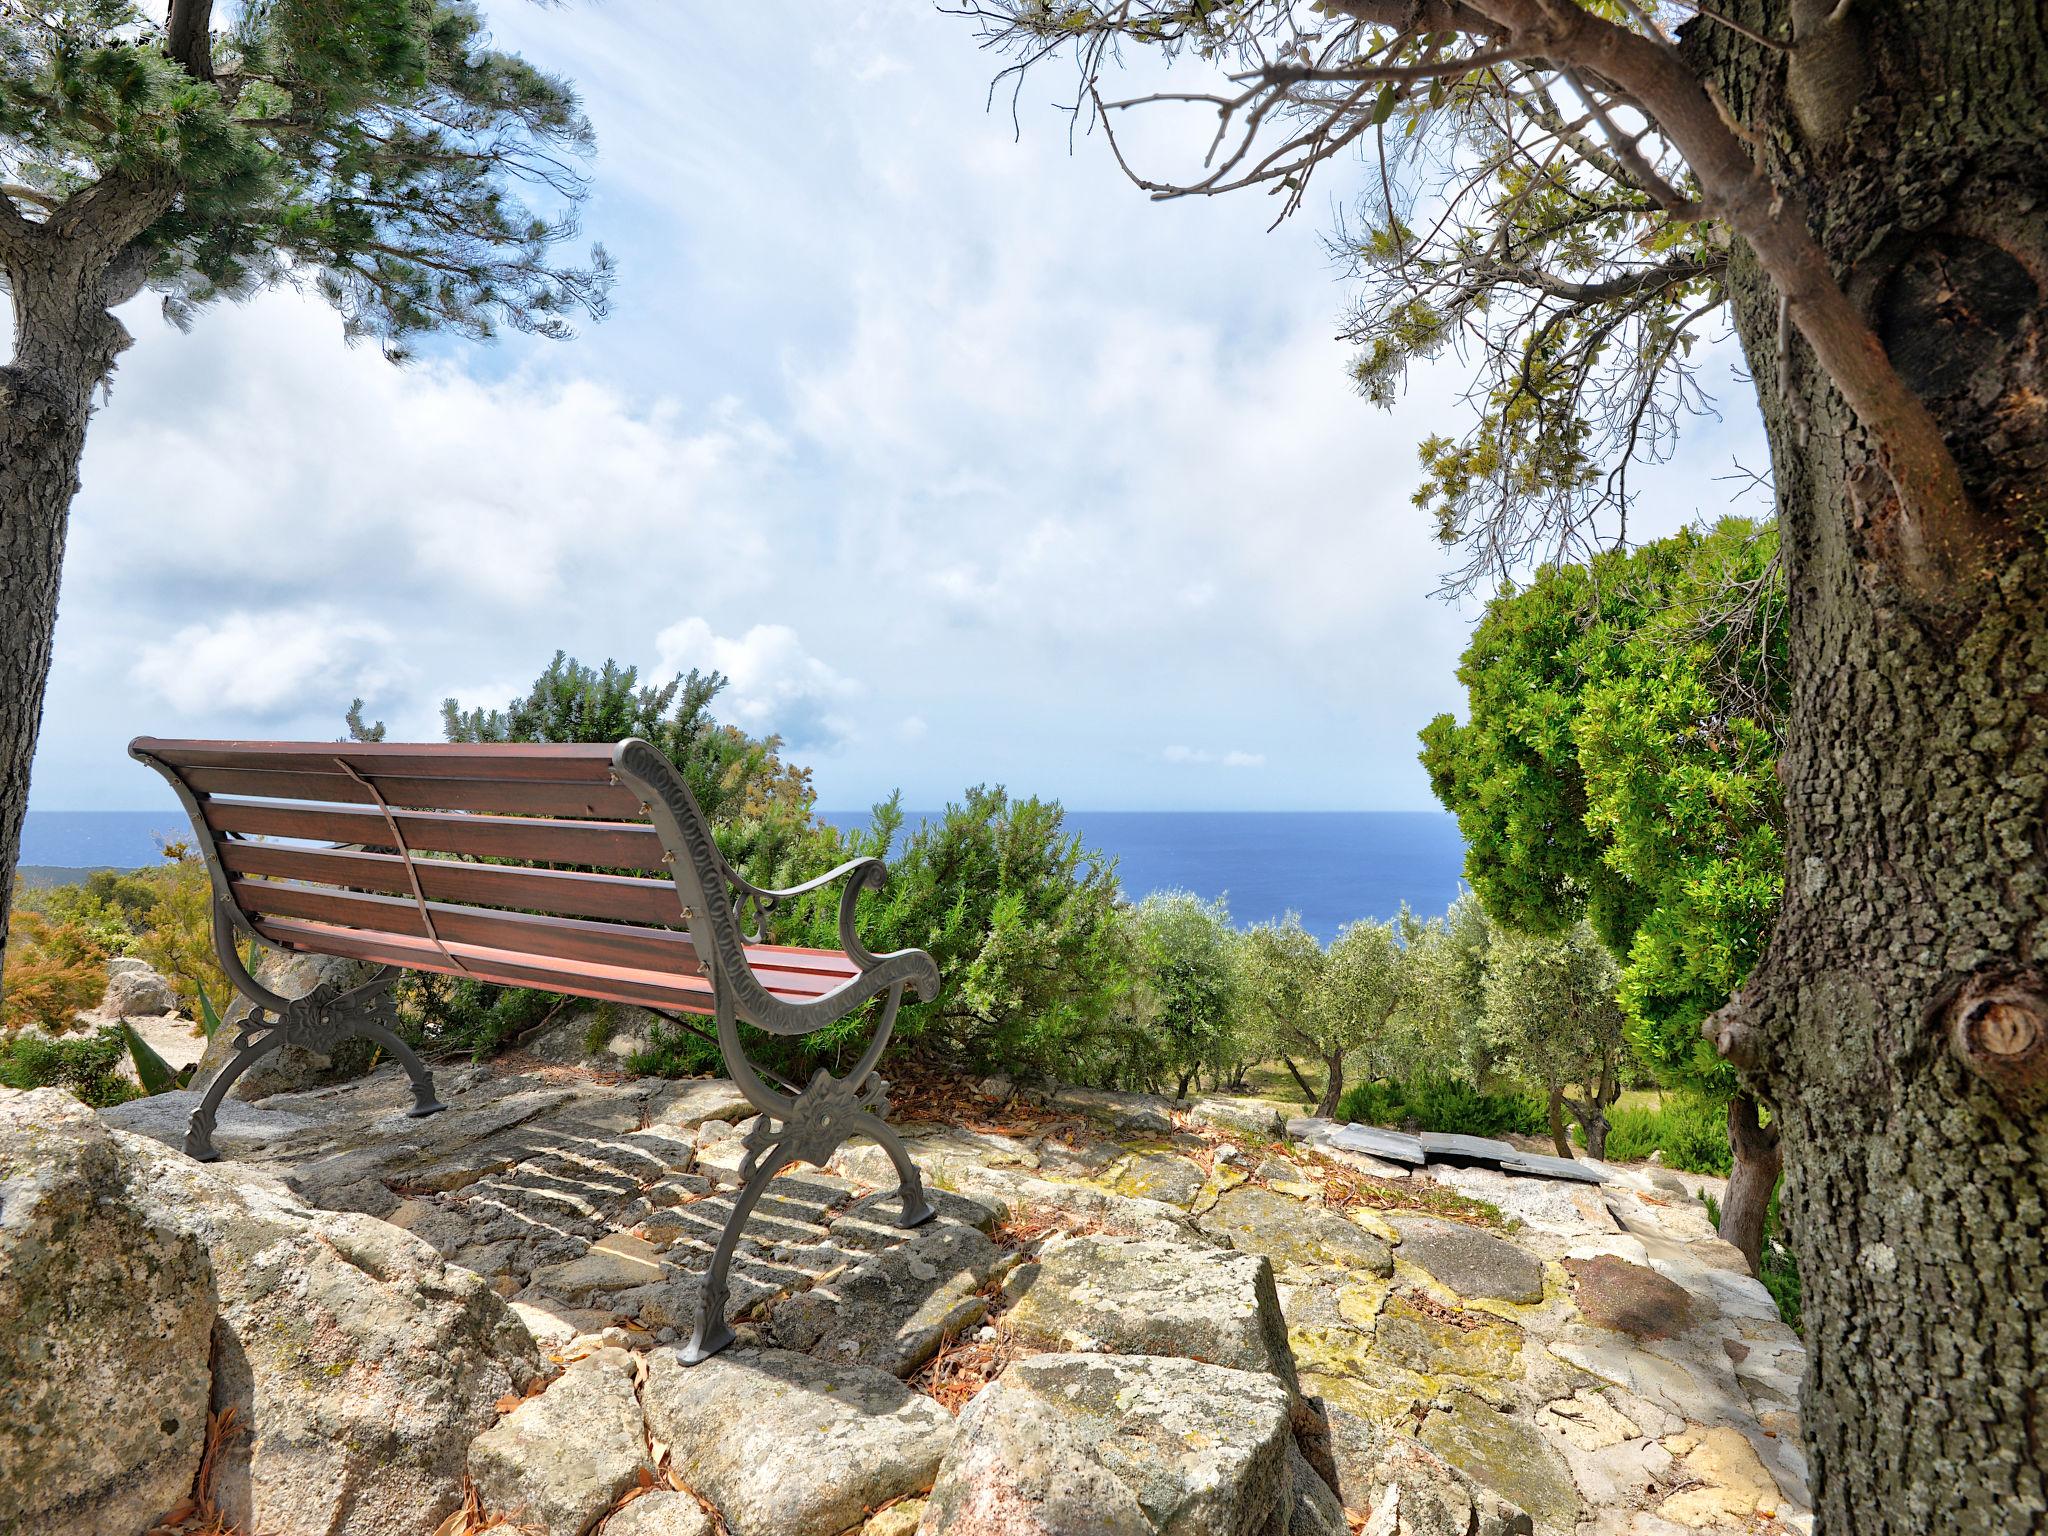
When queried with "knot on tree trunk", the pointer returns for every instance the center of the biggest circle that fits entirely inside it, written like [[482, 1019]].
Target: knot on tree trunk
[[1998, 1029], [24, 396], [1734, 1035]]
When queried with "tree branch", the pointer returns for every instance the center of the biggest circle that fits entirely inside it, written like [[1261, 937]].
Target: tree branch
[[188, 36]]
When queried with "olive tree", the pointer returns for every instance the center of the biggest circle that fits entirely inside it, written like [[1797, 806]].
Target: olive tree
[[1185, 1000], [379, 153], [1331, 1005], [1573, 195], [1551, 1015]]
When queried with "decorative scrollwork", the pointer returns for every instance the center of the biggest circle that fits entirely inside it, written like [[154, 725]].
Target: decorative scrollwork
[[826, 1113], [324, 1017]]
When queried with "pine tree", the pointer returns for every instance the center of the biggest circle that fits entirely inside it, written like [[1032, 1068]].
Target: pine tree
[[379, 152]]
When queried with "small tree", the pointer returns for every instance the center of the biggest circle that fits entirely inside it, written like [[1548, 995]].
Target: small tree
[[377, 152], [1325, 1004], [1444, 1001], [1551, 1013], [1187, 985]]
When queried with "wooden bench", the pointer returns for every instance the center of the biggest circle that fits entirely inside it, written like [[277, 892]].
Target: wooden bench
[[498, 863]]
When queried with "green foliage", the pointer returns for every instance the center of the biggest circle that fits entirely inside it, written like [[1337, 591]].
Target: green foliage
[[1033, 955], [1445, 1104], [1443, 1003], [1552, 1016], [379, 150], [1689, 1129], [455, 1014], [1619, 764], [154, 1073], [1186, 997], [89, 1067], [1337, 1006]]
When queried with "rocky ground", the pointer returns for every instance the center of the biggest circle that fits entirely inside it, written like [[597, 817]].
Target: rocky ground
[[1130, 1316]]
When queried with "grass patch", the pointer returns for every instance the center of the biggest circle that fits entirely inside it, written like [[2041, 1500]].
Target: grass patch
[[1445, 1105], [90, 1066], [1690, 1131]]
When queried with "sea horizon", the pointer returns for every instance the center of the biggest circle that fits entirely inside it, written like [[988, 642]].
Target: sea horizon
[[1328, 867]]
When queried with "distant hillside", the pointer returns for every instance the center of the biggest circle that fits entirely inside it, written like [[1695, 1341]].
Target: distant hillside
[[36, 877]]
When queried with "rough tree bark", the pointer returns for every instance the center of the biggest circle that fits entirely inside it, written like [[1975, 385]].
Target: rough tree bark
[[63, 277], [1897, 1024]]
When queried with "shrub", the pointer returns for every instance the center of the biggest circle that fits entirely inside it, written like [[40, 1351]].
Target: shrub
[[54, 969], [1779, 1271], [1447, 1105], [1688, 1128], [90, 1066]]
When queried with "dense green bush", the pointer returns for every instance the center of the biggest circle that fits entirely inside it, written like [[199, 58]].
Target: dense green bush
[[89, 1065], [1447, 1105], [1690, 1129]]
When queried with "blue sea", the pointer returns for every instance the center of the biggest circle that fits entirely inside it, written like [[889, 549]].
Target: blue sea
[[1332, 867]]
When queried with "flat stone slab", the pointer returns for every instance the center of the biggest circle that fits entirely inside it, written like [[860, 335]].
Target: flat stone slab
[[1393, 1146], [1149, 1297], [237, 1125], [559, 1460], [1292, 1233], [1468, 1261], [788, 1445], [1545, 1167], [1507, 1454], [1118, 1445], [1447, 1148]]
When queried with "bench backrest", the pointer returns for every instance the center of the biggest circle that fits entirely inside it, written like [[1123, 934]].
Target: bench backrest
[[554, 820]]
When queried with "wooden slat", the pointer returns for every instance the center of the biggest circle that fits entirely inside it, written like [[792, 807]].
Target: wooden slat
[[522, 797], [623, 898], [550, 940], [620, 984], [574, 763], [607, 845]]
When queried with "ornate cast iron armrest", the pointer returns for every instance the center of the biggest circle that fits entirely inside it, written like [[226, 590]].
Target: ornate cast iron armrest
[[866, 872]]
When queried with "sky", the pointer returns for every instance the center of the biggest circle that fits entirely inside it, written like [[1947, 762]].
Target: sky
[[964, 460]]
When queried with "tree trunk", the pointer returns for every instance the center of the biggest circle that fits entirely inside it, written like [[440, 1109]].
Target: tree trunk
[[1750, 1184], [1897, 1021], [1333, 1085], [1559, 1136], [63, 277], [1308, 1094]]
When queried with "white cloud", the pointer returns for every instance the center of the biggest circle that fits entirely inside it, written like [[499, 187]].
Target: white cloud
[[774, 683], [1186, 756], [268, 665]]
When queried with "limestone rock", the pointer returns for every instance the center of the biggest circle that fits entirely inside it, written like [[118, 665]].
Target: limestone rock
[[787, 1445], [358, 1363], [1508, 1455], [134, 990], [895, 1308], [1411, 1491], [1469, 1261], [1312, 1506], [238, 1127], [1160, 1176], [664, 1512], [1128, 1113], [109, 1308], [1150, 1297], [1119, 1445], [1252, 1117], [558, 1461], [897, 1520], [688, 1105], [1294, 1235]]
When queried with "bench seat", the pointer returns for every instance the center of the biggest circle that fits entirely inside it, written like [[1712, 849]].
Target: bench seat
[[791, 974]]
